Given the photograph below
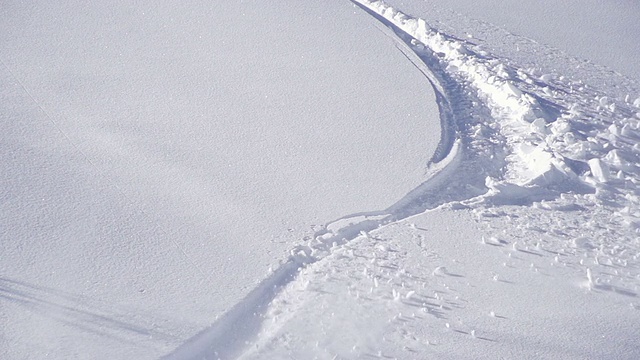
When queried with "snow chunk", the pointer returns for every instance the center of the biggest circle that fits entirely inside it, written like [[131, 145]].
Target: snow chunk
[[512, 89], [616, 159], [546, 77], [560, 127], [613, 129], [439, 271], [599, 170], [539, 126]]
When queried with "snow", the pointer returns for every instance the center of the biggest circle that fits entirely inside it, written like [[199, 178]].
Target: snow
[[601, 32], [512, 233], [158, 159], [439, 292]]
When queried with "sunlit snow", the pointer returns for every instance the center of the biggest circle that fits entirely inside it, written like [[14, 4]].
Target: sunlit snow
[[339, 180]]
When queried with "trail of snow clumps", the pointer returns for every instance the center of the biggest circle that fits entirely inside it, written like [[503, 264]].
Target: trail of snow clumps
[[538, 172]]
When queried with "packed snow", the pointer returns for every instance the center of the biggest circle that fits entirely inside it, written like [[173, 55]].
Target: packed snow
[[520, 240]]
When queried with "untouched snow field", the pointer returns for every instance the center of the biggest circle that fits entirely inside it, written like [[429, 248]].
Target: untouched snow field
[[519, 239]]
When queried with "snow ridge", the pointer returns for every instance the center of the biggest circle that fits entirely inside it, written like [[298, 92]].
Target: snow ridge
[[545, 134], [538, 139], [488, 80]]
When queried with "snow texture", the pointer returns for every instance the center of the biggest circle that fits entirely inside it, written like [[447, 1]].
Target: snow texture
[[543, 165], [521, 241], [158, 158]]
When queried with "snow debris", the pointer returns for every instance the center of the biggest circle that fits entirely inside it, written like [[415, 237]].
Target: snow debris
[[599, 170], [439, 271]]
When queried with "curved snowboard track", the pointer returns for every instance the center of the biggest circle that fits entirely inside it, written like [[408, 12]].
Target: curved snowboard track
[[234, 331], [505, 140]]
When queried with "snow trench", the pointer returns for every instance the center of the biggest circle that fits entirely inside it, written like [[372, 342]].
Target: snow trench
[[509, 136]]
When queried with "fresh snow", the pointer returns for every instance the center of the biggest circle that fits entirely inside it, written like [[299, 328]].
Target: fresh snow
[[158, 159], [520, 240]]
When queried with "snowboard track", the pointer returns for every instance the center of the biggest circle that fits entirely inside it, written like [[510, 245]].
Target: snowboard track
[[456, 176], [235, 330]]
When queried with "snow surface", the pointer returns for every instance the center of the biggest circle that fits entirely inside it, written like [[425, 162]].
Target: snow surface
[[159, 158], [528, 246], [520, 241], [601, 32]]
